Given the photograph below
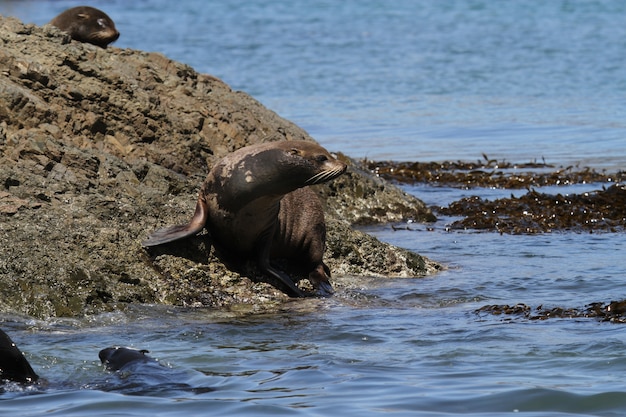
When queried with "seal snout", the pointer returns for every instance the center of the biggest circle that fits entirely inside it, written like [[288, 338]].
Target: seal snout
[[107, 35], [329, 168]]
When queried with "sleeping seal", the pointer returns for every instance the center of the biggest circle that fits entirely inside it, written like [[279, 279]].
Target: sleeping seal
[[255, 202], [87, 24]]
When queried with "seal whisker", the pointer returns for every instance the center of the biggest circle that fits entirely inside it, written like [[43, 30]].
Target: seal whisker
[[317, 178], [325, 176]]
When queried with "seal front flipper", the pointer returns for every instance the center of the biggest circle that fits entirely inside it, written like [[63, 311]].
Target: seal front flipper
[[263, 260], [13, 365], [291, 289], [319, 277], [170, 234]]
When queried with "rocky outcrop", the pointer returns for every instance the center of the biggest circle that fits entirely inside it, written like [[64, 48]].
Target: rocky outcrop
[[99, 147]]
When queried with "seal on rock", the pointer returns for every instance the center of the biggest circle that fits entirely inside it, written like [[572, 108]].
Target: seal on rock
[[255, 202], [87, 24]]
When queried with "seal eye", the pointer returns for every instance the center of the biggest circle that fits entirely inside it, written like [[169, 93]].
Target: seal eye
[[102, 23], [321, 158], [294, 151]]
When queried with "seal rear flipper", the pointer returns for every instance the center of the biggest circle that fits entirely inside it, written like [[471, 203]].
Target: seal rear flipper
[[13, 365], [169, 234], [172, 233]]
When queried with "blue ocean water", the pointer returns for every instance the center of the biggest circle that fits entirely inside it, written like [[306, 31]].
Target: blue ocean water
[[404, 80]]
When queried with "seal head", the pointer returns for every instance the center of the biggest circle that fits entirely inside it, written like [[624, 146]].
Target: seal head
[[118, 358], [87, 24], [256, 202]]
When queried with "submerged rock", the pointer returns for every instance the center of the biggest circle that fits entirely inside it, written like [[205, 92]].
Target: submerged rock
[[100, 147]]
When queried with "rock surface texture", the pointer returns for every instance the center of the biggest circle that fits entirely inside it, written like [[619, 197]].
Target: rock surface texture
[[100, 147]]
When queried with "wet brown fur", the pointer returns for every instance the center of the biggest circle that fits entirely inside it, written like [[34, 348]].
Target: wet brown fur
[[256, 202]]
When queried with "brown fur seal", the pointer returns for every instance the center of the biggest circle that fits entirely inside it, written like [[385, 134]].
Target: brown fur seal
[[87, 24], [255, 202]]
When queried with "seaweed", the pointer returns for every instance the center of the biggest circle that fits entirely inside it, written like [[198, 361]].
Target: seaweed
[[613, 311], [534, 212]]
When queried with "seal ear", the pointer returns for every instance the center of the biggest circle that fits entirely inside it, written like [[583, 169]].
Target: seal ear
[[82, 16], [294, 151]]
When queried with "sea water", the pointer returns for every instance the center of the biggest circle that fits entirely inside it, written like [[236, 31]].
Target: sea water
[[404, 80]]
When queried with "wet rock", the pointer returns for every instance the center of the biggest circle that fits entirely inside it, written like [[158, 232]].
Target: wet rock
[[99, 147]]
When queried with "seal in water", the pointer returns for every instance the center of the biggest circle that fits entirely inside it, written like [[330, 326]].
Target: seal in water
[[141, 374], [87, 24], [256, 202], [13, 365]]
